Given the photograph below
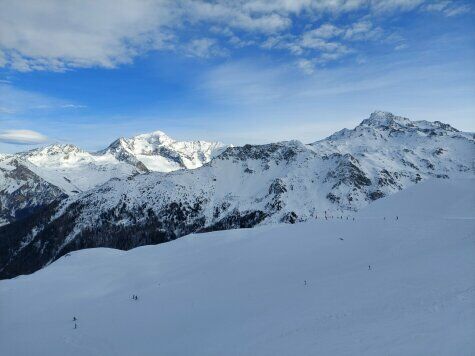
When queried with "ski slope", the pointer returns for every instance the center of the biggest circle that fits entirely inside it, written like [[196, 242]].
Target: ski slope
[[303, 289]]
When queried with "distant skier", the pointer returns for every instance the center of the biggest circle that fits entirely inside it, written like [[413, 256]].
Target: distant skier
[[305, 282], [369, 267], [74, 318], [397, 217], [75, 326]]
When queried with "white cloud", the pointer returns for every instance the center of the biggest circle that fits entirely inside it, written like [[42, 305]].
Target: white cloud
[[204, 48], [73, 106], [325, 43], [307, 66], [57, 35], [325, 31], [448, 7], [391, 5], [400, 47], [22, 137], [363, 30]]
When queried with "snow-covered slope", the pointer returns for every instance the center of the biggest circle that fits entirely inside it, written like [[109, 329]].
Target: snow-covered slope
[[303, 289], [246, 186]]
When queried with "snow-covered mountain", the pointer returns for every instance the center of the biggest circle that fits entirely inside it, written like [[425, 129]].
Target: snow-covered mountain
[[66, 169], [246, 186], [159, 153], [302, 289]]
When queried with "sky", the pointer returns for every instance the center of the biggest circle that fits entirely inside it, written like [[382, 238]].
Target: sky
[[242, 71]]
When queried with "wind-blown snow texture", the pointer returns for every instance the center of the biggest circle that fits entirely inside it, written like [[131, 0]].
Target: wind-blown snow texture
[[303, 289], [66, 169], [243, 187]]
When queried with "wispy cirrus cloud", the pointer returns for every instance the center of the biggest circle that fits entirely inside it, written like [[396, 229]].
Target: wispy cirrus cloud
[[448, 8]]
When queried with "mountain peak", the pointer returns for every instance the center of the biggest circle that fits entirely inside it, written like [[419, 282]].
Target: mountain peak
[[153, 136], [386, 119]]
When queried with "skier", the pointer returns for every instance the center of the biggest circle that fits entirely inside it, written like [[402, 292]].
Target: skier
[[305, 282], [397, 218], [369, 267], [75, 326], [74, 318]]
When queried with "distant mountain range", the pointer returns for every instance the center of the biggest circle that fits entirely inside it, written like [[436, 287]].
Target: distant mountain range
[[30, 180], [65, 199]]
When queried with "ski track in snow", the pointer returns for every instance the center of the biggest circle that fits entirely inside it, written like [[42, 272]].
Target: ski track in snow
[[243, 292]]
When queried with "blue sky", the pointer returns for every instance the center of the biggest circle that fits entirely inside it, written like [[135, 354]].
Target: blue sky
[[235, 71]]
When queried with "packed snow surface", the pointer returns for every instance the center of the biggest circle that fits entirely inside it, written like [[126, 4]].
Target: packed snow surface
[[370, 286]]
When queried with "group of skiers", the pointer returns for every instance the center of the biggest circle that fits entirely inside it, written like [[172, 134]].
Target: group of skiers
[[134, 297], [341, 217], [331, 216]]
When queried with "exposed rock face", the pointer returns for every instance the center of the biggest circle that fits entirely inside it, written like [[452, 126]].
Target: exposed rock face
[[22, 192]]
